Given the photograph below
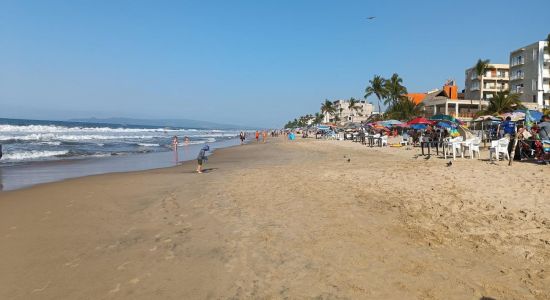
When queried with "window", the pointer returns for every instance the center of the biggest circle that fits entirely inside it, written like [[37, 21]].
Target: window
[[535, 98], [534, 54], [533, 85]]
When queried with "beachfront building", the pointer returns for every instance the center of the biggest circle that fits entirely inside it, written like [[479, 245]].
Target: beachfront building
[[530, 74], [494, 80], [345, 114], [447, 101]]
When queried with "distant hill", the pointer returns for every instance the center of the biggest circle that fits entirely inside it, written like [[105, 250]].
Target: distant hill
[[183, 123]]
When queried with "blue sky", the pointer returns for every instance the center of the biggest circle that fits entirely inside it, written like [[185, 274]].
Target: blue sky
[[256, 63]]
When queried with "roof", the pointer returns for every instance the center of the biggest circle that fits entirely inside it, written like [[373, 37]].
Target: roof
[[416, 97]]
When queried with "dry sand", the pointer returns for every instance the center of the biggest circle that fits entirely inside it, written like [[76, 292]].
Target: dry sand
[[284, 220]]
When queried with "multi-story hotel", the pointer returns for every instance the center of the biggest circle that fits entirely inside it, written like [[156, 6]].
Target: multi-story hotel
[[530, 74], [345, 114], [494, 80]]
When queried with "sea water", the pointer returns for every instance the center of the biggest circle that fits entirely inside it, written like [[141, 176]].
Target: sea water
[[31, 140], [37, 152]]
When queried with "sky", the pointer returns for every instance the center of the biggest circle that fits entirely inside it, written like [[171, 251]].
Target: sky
[[252, 63]]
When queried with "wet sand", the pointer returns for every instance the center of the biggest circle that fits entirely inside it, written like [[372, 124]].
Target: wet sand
[[284, 220]]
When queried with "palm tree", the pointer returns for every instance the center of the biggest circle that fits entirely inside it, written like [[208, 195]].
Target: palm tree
[[503, 102], [394, 89], [377, 88], [481, 67], [404, 109], [327, 108], [354, 106], [318, 118]]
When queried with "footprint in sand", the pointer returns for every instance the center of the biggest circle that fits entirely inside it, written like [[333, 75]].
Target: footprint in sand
[[153, 249], [73, 263], [169, 256], [116, 289], [123, 266], [134, 281], [41, 289]]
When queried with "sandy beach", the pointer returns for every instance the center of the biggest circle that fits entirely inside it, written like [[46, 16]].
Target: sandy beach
[[293, 220]]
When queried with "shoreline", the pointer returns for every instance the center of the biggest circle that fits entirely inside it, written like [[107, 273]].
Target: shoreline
[[25, 175], [283, 220]]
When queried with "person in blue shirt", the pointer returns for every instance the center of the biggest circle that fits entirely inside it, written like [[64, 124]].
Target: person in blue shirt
[[201, 158], [509, 127]]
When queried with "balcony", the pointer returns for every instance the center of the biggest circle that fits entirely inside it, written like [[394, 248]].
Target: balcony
[[517, 62], [517, 77], [474, 88], [545, 74], [546, 58], [518, 90]]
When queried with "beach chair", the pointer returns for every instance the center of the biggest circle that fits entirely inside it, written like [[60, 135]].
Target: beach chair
[[453, 146], [498, 147], [472, 145], [404, 140], [383, 141]]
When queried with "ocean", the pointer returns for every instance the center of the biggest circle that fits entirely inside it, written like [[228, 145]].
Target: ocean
[[36, 152], [26, 141]]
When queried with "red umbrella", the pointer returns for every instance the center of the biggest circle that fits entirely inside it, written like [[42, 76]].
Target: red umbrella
[[420, 121]]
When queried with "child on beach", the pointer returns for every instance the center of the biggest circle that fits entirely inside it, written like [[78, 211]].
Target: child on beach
[[201, 158], [257, 136]]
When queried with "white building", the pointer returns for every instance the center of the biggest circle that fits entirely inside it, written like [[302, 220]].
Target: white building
[[494, 80], [346, 114], [530, 74]]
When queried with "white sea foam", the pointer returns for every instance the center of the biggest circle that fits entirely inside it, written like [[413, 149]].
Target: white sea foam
[[32, 155], [148, 145]]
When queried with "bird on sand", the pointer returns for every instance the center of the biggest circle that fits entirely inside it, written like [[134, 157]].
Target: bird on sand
[[450, 163]]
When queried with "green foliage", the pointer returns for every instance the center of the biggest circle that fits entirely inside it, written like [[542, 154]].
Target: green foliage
[[394, 90], [503, 102], [404, 109], [377, 87], [481, 67], [327, 107]]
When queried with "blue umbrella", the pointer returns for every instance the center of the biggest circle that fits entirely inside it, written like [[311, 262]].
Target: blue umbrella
[[535, 114], [419, 126], [444, 125]]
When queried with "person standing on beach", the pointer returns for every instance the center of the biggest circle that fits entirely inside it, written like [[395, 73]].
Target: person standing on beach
[[201, 158], [242, 137], [264, 135], [175, 147], [509, 128], [257, 136]]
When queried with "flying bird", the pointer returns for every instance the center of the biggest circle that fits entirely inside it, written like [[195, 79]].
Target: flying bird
[[371, 18]]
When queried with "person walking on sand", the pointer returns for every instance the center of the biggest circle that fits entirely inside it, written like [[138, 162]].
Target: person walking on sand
[[201, 158], [175, 147], [242, 137], [257, 136], [264, 136]]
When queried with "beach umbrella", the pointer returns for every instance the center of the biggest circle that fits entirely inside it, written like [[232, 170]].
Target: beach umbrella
[[447, 125], [442, 117], [515, 116], [392, 122], [487, 118], [535, 115], [418, 126], [420, 121]]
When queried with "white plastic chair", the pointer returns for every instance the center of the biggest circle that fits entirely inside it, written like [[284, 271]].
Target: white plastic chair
[[383, 140], [473, 146], [498, 147], [454, 146], [404, 140]]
